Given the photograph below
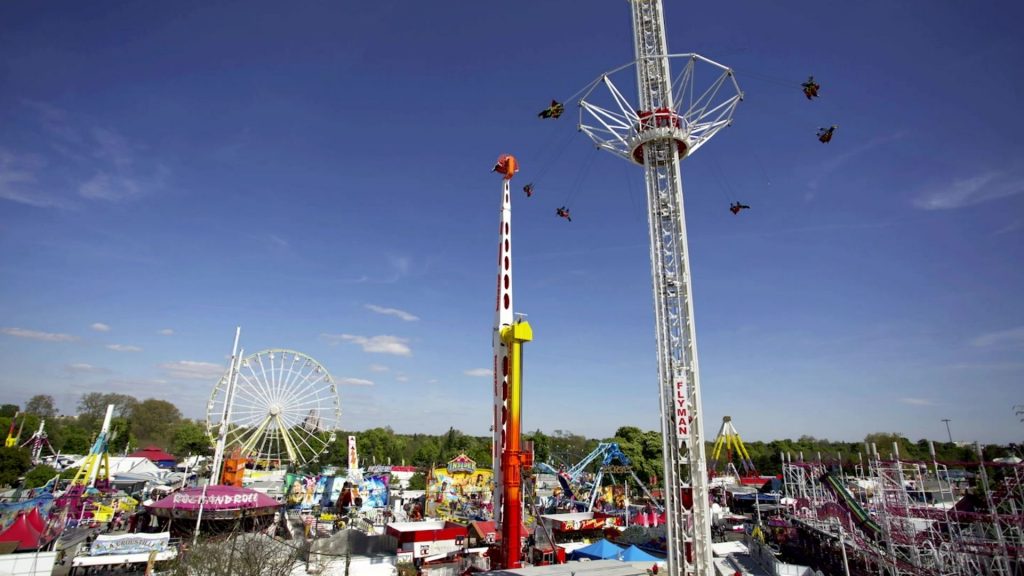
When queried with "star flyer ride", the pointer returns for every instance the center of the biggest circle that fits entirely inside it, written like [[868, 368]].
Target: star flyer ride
[[672, 118], [509, 335]]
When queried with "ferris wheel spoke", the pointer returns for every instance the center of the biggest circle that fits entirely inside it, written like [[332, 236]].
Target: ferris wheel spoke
[[264, 453], [305, 416], [317, 443], [252, 399], [264, 381], [303, 435], [261, 388], [259, 381], [287, 441], [310, 385], [283, 375], [313, 398], [253, 388], [303, 383], [293, 372], [276, 375], [251, 440]]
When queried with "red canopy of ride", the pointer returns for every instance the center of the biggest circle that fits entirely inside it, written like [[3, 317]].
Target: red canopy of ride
[[22, 532], [35, 520], [154, 454], [217, 498]]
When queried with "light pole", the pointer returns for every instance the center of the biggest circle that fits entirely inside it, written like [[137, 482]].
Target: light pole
[[946, 420]]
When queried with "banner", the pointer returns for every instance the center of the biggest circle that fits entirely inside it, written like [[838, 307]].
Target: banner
[[129, 544], [215, 499], [353, 457]]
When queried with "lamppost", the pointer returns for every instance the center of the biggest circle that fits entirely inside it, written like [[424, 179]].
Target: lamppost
[[946, 420]]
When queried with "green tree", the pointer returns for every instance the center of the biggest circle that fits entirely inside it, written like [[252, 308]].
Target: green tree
[[884, 441], [418, 482], [120, 439], [9, 410], [154, 421], [74, 440], [428, 453], [190, 438], [13, 463], [377, 446], [92, 407], [629, 434], [541, 446], [41, 405], [39, 476]]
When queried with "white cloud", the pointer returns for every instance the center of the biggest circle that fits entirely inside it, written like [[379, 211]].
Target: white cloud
[[100, 327], [378, 368], [969, 191], [1011, 338], [917, 401], [478, 372], [83, 368], [137, 386], [355, 382], [123, 348], [110, 187], [374, 344], [1011, 227], [18, 180], [987, 366], [38, 335], [96, 162], [193, 370], [822, 171], [166, 332], [392, 312], [401, 378]]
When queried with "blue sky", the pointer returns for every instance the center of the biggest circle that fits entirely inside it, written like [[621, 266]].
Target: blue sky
[[319, 174]]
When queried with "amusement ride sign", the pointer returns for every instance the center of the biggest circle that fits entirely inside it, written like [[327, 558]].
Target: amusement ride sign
[[461, 463]]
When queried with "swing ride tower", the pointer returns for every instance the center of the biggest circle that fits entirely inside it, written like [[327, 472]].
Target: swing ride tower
[[670, 120]]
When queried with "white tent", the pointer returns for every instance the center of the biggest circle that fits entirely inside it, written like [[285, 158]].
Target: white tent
[[126, 464]]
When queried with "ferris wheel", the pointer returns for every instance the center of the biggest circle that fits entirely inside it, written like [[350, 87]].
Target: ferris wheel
[[285, 409]]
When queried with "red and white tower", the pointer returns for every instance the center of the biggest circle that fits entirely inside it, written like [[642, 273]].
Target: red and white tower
[[509, 335], [670, 120]]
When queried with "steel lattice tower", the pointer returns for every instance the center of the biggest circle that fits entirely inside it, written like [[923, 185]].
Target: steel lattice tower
[[672, 118]]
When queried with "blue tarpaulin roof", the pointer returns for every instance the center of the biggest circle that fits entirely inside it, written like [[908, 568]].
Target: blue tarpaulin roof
[[634, 554], [602, 549]]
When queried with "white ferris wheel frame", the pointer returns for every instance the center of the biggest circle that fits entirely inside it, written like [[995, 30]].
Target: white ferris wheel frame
[[285, 408], [617, 127]]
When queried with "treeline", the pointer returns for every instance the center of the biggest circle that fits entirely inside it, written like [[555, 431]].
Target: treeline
[[139, 423], [135, 424], [384, 446]]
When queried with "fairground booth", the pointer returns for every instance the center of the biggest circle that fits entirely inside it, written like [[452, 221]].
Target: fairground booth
[[223, 508], [432, 540]]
